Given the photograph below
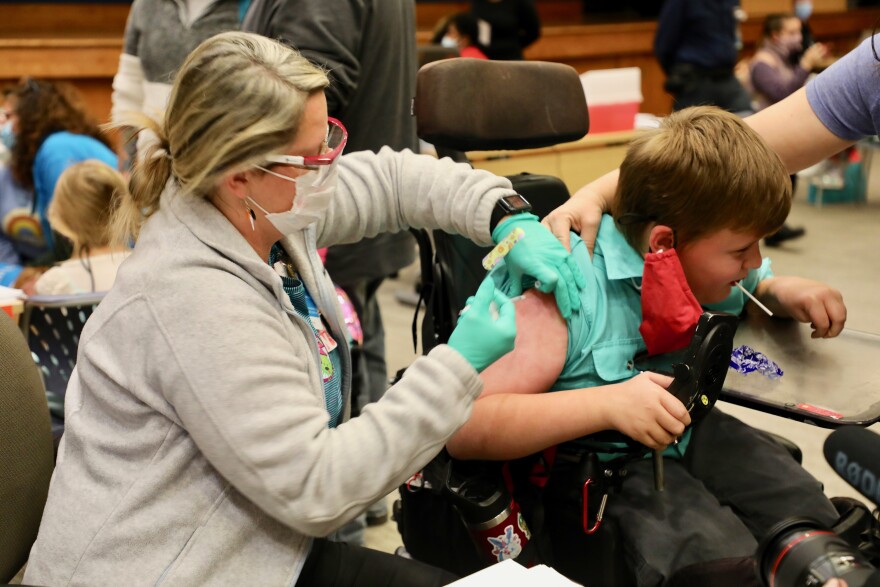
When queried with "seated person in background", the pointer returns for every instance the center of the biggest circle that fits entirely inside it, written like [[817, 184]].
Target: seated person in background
[[459, 31], [21, 238], [780, 66], [84, 199], [46, 128], [702, 190]]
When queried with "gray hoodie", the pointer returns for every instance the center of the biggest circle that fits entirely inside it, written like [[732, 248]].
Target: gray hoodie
[[196, 449]]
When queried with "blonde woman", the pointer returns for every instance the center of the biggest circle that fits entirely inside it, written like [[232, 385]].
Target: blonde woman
[[80, 211], [207, 438]]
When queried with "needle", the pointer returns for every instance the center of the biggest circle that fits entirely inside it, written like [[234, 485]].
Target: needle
[[753, 298]]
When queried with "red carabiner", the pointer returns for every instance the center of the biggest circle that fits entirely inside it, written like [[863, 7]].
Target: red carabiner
[[601, 512]]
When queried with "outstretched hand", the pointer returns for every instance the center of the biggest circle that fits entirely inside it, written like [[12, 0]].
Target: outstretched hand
[[810, 301], [539, 254]]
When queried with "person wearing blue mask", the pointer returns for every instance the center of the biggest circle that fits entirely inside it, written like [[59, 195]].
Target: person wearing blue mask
[[207, 433], [46, 130], [803, 9]]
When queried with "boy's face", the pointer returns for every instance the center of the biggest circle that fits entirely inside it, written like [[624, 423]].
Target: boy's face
[[713, 263]]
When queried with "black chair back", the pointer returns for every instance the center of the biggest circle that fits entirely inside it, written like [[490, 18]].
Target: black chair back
[[473, 104]]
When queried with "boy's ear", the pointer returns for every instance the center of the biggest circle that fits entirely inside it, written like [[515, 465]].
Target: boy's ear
[[661, 237]]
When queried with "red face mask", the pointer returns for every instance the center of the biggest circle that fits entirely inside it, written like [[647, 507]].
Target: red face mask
[[670, 311]]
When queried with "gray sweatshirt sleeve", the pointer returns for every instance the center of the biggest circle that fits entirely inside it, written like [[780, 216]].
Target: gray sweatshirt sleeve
[[245, 396], [391, 191]]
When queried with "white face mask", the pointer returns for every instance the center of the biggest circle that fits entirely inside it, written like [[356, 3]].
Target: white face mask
[[7, 135], [449, 42], [314, 192]]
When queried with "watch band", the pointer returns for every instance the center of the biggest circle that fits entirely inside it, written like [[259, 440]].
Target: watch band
[[506, 206]]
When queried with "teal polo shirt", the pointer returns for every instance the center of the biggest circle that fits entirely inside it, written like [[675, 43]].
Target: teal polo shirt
[[603, 335]]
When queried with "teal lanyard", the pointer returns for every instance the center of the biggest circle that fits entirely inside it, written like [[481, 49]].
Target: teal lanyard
[[243, 6]]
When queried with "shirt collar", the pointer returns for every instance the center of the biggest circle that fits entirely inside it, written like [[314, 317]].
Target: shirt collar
[[622, 261]]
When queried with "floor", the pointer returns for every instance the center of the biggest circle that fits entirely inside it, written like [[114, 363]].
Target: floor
[[841, 247]]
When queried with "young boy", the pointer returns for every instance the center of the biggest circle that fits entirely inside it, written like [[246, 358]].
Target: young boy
[[709, 188]]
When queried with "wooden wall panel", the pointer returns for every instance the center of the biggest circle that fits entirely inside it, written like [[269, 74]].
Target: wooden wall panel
[[550, 11], [89, 64], [81, 43], [36, 19], [590, 47]]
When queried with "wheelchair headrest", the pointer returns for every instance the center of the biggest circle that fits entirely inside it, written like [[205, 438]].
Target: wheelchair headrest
[[478, 105]]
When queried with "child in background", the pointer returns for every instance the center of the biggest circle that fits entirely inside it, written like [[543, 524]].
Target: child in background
[[84, 198], [459, 31]]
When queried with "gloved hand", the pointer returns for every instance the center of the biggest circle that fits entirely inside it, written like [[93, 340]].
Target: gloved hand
[[539, 254], [481, 337]]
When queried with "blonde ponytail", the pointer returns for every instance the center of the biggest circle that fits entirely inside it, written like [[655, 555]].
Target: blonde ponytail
[[148, 179]]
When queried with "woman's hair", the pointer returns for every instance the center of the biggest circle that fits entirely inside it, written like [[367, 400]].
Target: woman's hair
[[465, 22], [85, 196], [773, 23], [237, 98], [702, 171], [44, 108]]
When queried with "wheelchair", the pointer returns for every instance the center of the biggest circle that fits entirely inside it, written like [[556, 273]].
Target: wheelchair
[[468, 105]]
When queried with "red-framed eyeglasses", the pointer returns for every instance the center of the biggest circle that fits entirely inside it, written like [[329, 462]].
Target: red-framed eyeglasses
[[335, 142]]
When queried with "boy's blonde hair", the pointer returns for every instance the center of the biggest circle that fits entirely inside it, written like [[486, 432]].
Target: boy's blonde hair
[[85, 196], [237, 98], [702, 171]]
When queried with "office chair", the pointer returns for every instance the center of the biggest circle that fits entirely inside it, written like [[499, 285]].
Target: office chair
[[26, 459], [52, 325]]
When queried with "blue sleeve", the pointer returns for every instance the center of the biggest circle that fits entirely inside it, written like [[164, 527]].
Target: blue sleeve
[[846, 96], [668, 35], [736, 301], [49, 164], [9, 272]]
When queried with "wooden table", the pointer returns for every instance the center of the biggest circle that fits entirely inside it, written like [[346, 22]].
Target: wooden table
[[575, 163]]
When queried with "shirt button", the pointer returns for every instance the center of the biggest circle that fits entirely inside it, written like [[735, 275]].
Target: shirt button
[[629, 365]]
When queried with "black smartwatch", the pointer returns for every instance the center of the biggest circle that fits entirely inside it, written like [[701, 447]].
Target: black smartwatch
[[515, 204]]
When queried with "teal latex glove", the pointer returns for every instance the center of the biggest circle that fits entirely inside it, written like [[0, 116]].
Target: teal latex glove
[[485, 333], [539, 254]]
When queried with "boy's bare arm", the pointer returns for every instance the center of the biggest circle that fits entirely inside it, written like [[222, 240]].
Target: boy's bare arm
[[514, 417], [805, 300]]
